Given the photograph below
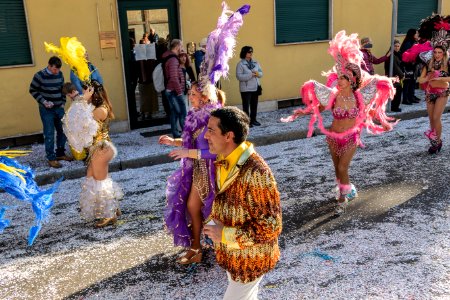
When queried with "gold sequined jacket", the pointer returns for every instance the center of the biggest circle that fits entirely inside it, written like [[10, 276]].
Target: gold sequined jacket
[[248, 204]]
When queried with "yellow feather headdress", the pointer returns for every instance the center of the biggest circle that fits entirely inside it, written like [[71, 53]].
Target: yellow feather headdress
[[72, 52]]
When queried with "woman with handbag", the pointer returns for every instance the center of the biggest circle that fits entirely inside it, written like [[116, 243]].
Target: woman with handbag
[[248, 72]]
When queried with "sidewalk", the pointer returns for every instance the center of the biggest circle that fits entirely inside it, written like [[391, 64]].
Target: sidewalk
[[136, 150]]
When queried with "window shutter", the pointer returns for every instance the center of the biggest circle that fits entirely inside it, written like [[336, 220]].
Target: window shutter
[[301, 21], [410, 12], [15, 46]]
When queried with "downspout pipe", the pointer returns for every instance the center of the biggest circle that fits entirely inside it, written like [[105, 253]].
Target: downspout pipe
[[393, 32]]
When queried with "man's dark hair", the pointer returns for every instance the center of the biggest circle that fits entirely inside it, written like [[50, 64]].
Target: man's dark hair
[[233, 119], [244, 51], [55, 61]]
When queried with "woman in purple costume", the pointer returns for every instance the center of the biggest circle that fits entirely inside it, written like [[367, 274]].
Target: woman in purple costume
[[191, 189]]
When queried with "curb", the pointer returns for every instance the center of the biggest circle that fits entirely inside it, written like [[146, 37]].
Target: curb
[[152, 160]]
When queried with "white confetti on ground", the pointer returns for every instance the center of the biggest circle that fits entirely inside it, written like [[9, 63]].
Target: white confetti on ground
[[392, 245]]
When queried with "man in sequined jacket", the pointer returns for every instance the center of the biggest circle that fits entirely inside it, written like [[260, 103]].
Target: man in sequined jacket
[[246, 214]]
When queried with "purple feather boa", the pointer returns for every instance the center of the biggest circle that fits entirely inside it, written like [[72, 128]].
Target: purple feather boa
[[179, 184], [196, 119]]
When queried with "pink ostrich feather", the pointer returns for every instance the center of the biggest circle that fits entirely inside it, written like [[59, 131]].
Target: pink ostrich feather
[[376, 109], [345, 50], [411, 54]]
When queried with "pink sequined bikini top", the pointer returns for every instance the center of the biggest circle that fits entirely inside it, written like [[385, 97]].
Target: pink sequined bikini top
[[342, 113]]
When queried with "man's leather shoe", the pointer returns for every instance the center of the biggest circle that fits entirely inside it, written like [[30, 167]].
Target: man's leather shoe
[[406, 103], [396, 109], [54, 164], [256, 123], [64, 157]]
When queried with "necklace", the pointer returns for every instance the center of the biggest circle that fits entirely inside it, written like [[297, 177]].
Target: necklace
[[347, 100]]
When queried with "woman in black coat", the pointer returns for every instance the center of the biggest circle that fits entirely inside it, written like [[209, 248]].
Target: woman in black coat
[[409, 84], [398, 71]]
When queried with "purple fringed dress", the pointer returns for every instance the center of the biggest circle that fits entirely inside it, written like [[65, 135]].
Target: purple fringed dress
[[192, 172]]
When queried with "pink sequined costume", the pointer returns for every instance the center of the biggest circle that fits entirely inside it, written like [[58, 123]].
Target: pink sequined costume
[[436, 29], [371, 98]]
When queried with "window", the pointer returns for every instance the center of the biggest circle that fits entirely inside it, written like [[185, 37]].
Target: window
[[299, 21], [410, 12], [15, 49]]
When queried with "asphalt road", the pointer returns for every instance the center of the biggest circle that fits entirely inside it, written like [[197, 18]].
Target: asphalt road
[[392, 243]]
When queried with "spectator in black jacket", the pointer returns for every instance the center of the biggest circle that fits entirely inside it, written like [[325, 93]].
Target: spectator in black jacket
[[398, 71], [409, 83]]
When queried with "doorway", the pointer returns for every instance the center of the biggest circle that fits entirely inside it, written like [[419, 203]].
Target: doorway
[[146, 28]]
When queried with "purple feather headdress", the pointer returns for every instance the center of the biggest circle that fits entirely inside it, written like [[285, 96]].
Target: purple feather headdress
[[219, 49]]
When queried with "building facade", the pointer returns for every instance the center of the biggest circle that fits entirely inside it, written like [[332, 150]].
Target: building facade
[[289, 37]]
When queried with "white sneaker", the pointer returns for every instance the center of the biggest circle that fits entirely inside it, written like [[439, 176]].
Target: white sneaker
[[353, 193], [341, 207]]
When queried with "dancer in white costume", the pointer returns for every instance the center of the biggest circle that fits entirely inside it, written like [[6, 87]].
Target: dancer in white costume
[[86, 125]]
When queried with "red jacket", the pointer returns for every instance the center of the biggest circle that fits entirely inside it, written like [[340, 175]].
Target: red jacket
[[173, 73]]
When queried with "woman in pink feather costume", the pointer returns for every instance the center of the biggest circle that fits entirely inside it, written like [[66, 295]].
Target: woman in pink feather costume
[[355, 99]]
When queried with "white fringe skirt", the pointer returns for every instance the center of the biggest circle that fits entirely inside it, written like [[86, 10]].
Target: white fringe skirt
[[99, 198]]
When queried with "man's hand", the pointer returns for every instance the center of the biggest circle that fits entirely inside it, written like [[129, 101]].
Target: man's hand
[[214, 232], [48, 104]]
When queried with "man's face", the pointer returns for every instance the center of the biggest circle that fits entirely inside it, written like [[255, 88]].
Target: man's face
[[179, 49], [54, 70], [216, 140]]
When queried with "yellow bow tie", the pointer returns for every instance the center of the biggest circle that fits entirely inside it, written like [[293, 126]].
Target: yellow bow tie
[[222, 163]]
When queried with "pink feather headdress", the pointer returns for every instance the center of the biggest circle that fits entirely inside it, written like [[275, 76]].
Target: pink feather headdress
[[348, 57]]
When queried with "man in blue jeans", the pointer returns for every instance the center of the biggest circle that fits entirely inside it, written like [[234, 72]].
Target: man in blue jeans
[[174, 81], [46, 88]]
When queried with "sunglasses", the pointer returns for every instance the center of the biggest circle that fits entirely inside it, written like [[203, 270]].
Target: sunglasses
[[251, 51]]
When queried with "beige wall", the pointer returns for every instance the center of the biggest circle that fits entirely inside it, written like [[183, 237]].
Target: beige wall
[[285, 67], [20, 115]]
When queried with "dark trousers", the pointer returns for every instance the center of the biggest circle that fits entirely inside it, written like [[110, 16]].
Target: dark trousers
[[395, 104], [165, 103], [409, 86], [250, 99], [51, 120]]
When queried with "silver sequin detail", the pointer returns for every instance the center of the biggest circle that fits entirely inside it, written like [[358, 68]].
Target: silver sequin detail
[[322, 93], [426, 56], [369, 91]]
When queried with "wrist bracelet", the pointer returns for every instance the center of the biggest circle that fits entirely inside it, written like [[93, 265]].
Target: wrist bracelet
[[199, 154]]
